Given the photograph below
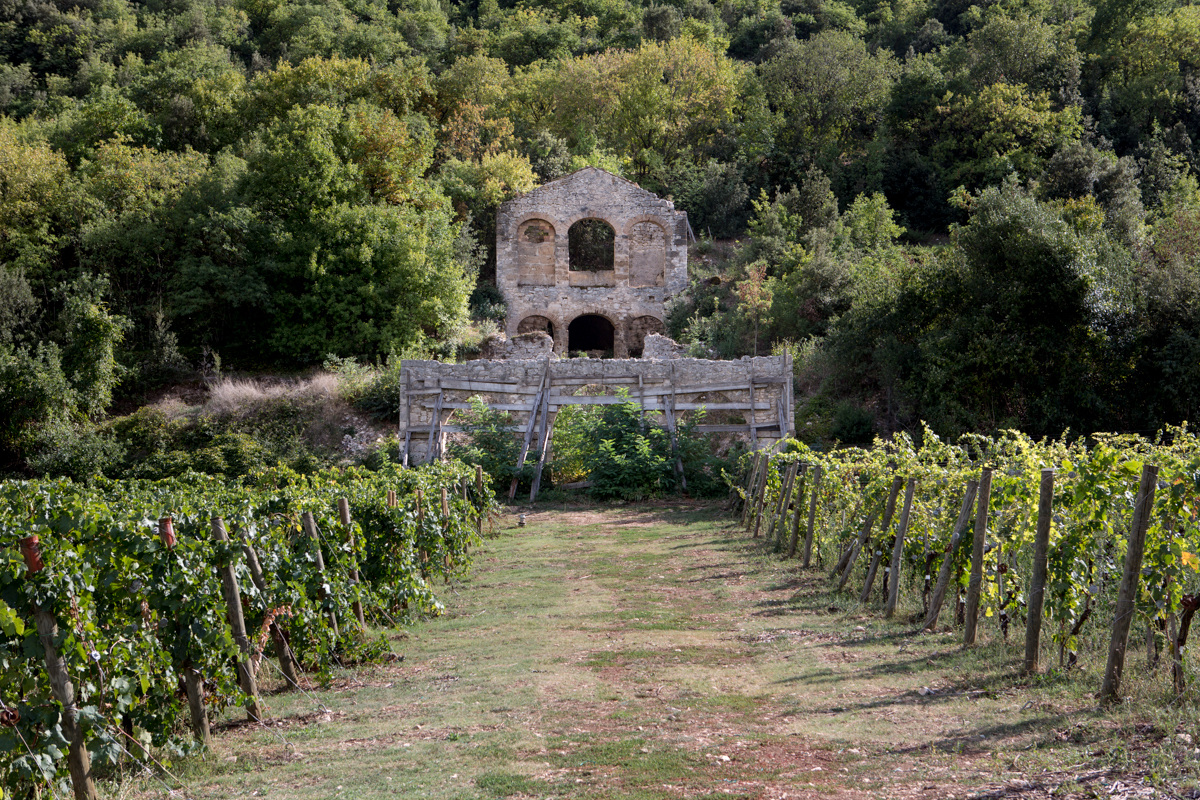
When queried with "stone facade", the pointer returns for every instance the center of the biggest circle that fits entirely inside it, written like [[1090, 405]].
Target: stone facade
[[617, 307]]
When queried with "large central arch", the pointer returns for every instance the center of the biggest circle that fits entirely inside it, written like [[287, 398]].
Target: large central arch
[[590, 333]]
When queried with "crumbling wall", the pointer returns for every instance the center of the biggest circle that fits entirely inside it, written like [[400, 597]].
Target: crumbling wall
[[533, 257], [750, 398]]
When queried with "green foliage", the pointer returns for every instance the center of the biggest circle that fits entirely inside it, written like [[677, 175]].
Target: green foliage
[[134, 612], [491, 445], [629, 460]]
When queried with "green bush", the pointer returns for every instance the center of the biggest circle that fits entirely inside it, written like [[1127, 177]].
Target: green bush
[[629, 460], [492, 446]]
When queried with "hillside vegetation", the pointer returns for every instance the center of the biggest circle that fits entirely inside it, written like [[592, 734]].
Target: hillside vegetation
[[981, 215]]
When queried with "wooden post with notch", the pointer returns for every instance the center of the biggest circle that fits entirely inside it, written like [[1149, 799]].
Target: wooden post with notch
[[975, 584], [1037, 583], [344, 515], [1127, 594], [310, 527]]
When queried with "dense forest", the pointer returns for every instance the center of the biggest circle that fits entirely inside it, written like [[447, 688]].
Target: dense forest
[[979, 215]]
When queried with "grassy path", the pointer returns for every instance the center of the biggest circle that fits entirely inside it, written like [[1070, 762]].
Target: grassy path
[[655, 652]]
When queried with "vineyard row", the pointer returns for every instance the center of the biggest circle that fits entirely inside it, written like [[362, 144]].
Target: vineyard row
[[1062, 533], [132, 611]]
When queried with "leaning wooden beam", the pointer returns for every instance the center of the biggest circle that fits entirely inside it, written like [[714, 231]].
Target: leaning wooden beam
[[752, 422], [547, 433], [435, 428], [533, 415]]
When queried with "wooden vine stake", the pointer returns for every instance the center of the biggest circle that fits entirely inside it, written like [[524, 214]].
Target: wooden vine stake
[[1191, 603], [751, 482], [287, 664], [78, 762], [943, 582], [344, 515], [310, 527], [975, 584], [864, 540], [1037, 583], [781, 507], [233, 603], [761, 497], [812, 517], [192, 680], [795, 540], [445, 527], [479, 494], [1127, 594], [898, 551]]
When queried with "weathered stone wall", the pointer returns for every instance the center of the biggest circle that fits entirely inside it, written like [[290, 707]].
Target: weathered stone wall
[[533, 345], [677, 386], [662, 347], [533, 257]]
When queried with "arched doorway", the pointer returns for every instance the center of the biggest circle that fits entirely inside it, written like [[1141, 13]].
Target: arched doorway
[[536, 322], [591, 334], [637, 332]]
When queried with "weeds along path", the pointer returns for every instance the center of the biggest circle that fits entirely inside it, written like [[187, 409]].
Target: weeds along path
[[656, 652]]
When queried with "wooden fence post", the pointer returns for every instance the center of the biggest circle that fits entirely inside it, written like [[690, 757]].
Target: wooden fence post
[[898, 551], [1127, 594], [799, 512], [233, 603], [344, 515], [812, 516], [78, 762], [287, 665], [1037, 583], [193, 683], [975, 585], [876, 554], [310, 527], [943, 582]]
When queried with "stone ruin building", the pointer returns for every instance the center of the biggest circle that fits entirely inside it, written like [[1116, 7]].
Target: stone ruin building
[[586, 264], [590, 259]]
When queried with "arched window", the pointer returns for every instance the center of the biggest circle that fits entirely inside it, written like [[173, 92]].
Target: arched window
[[591, 243], [647, 254], [591, 334], [535, 253]]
